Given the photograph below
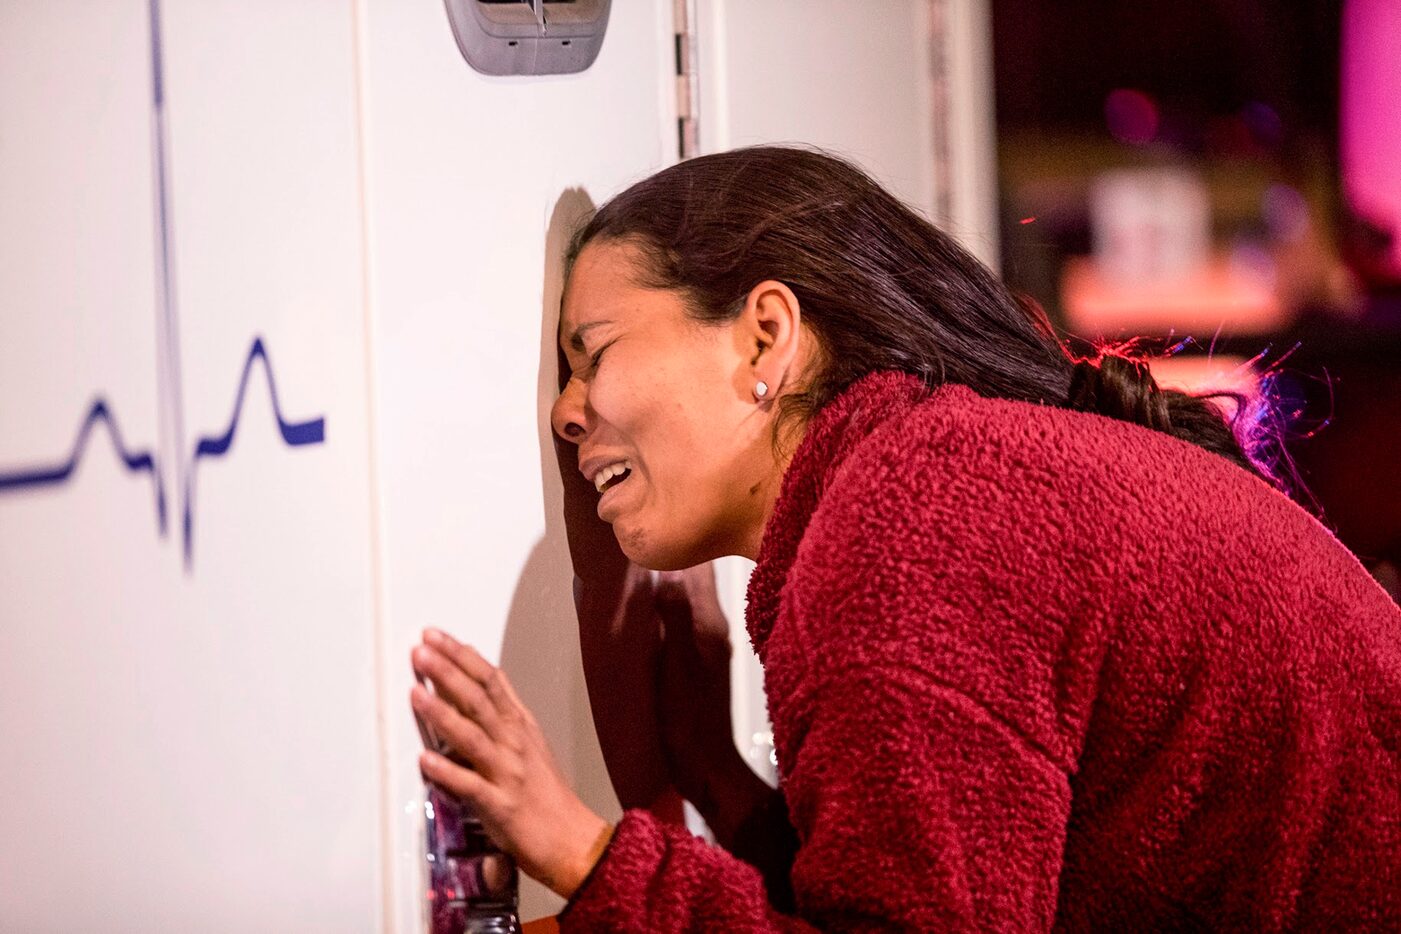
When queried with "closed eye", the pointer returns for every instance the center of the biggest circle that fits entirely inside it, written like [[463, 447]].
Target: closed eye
[[597, 356]]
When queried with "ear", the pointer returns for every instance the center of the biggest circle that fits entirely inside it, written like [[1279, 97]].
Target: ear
[[770, 324]]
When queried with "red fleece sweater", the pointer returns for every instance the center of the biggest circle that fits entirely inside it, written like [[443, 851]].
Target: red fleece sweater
[[1031, 668]]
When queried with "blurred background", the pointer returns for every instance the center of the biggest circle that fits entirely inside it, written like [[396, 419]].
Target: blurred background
[[279, 286], [1228, 172]]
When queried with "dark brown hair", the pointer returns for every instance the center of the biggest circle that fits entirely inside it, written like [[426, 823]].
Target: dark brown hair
[[881, 288]]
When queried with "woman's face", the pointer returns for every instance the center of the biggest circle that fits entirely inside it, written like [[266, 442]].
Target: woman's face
[[664, 413]]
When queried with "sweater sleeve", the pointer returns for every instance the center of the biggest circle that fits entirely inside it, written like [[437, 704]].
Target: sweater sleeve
[[917, 809]]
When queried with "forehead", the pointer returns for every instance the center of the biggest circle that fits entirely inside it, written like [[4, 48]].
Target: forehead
[[602, 285], [602, 269]]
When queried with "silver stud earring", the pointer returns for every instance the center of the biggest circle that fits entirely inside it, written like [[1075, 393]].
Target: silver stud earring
[[761, 389]]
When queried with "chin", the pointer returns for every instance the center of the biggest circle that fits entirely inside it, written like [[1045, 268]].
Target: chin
[[658, 553]]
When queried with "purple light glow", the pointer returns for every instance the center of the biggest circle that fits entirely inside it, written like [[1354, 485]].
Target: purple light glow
[[1131, 115], [1286, 213], [1264, 123]]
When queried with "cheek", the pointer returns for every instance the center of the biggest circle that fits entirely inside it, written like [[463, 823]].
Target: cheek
[[688, 451], [678, 414], [613, 398], [640, 400]]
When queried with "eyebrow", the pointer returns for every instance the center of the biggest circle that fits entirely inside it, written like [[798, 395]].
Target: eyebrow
[[576, 340]]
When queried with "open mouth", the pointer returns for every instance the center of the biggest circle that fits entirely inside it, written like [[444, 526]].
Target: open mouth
[[612, 475], [614, 480]]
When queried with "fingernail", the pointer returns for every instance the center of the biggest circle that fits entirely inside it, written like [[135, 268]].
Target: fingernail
[[435, 637], [429, 760]]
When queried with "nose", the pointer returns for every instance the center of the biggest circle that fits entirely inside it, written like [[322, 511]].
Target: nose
[[568, 417]]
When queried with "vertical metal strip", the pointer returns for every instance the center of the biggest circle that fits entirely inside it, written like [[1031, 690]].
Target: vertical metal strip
[[687, 84], [941, 123], [968, 142]]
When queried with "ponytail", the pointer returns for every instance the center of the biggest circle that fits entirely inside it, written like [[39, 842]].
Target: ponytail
[[1123, 387]]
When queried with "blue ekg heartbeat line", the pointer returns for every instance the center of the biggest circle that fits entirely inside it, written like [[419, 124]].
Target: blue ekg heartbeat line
[[134, 461], [171, 414], [294, 434]]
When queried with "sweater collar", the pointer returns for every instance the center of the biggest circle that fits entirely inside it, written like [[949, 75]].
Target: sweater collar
[[832, 434]]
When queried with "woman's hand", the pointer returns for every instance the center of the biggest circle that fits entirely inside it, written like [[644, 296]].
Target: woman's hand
[[693, 680], [693, 692], [505, 772]]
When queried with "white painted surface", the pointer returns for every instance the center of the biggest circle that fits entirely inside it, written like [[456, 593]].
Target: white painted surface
[[846, 75], [184, 751]]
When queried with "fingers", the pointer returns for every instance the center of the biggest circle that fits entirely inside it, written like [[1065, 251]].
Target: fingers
[[465, 737], [700, 583], [464, 656], [672, 602], [488, 677], [705, 598], [426, 734], [457, 780], [688, 601], [456, 686], [476, 687], [504, 695]]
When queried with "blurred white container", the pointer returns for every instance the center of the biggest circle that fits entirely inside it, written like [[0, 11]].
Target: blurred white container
[[1150, 225]]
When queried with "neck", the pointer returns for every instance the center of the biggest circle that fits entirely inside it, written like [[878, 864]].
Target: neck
[[764, 490]]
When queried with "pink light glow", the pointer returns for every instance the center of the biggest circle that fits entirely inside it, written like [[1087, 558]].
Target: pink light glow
[[1370, 143], [1220, 293], [1195, 373]]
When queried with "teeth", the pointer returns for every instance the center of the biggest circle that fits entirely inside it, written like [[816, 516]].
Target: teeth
[[601, 479]]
